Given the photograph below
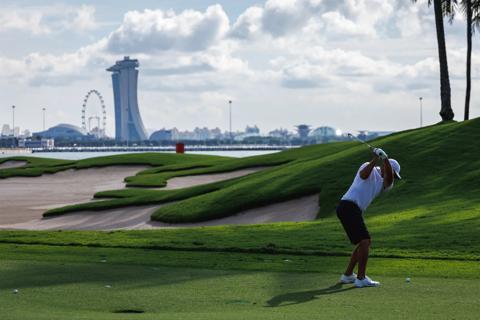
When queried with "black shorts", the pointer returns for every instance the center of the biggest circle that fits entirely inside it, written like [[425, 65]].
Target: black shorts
[[352, 221]]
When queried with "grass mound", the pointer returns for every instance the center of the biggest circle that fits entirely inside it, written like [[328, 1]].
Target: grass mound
[[438, 178]]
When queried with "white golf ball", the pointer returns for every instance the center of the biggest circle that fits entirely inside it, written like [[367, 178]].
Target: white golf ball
[[407, 280], [15, 291]]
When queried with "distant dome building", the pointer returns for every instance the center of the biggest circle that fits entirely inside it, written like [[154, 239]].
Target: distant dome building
[[63, 131], [161, 135]]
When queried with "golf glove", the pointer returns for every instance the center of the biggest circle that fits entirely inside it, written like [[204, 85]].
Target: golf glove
[[380, 153]]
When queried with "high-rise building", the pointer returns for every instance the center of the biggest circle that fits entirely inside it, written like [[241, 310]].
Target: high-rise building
[[6, 131], [128, 122]]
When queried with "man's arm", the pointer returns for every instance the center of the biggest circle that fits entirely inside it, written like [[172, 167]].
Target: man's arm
[[365, 173], [388, 174]]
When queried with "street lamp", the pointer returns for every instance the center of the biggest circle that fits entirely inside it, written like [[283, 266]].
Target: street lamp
[[44, 109], [421, 111], [13, 121], [230, 107]]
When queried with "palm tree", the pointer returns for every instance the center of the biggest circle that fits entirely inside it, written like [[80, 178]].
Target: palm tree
[[443, 8], [471, 9]]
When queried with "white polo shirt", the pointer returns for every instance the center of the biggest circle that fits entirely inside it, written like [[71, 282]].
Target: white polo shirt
[[362, 192]]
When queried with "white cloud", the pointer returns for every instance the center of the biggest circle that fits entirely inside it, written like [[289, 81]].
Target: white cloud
[[282, 17], [328, 18], [198, 51], [325, 52], [248, 23], [277, 18], [370, 14], [335, 23], [408, 21], [156, 30], [38, 69], [24, 21], [84, 19], [47, 20]]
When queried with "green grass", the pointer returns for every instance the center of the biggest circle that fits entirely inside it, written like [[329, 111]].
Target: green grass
[[71, 283], [324, 237], [426, 228], [431, 166], [434, 212], [38, 166], [430, 159]]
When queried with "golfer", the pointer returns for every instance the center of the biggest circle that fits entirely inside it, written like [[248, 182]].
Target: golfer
[[369, 182]]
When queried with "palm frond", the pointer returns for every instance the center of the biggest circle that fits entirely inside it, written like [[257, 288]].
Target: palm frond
[[476, 14], [448, 8], [475, 5]]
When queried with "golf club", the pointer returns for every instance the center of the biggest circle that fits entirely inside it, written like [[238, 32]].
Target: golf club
[[356, 138]]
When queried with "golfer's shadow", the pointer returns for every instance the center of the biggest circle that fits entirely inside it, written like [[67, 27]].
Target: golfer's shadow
[[291, 298]]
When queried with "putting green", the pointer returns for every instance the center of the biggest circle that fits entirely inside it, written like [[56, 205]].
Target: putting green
[[96, 283]]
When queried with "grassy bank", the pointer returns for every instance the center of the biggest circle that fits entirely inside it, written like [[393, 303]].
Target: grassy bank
[[430, 166]]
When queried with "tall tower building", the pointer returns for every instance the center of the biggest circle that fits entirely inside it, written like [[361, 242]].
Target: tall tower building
[[128, 122]]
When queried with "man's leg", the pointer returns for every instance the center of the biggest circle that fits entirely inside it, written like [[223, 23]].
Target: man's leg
[[362, 256], [353, 262]]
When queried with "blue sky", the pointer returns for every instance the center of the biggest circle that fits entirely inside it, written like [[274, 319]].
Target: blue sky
[[351, 64]]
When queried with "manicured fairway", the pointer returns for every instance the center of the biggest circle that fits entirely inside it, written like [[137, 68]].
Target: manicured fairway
[[94, 283]]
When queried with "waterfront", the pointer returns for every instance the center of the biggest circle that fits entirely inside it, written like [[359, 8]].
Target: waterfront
[[86, 155]]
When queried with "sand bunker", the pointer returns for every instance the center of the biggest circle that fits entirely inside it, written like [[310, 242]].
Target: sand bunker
[[301, 209], [23, 199], [12, 164], [26, 199], [190, 181]]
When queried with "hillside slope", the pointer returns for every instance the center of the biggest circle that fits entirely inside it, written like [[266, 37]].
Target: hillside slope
[[440, 166], [433, 212]]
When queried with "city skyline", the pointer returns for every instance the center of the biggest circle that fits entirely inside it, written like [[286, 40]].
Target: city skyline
[[326, 63]]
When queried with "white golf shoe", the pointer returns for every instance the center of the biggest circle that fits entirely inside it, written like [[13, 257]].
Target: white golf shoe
[[366, 282], [348, 279]]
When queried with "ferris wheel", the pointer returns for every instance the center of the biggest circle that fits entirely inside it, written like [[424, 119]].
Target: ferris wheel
[[101, 121]]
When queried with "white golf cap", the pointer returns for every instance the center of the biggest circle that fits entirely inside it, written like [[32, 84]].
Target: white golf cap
[[396, 167]]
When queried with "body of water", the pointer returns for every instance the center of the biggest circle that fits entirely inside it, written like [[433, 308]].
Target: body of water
[[86, 155]]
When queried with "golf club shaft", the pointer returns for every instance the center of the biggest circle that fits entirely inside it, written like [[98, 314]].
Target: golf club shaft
[[358, 139]]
